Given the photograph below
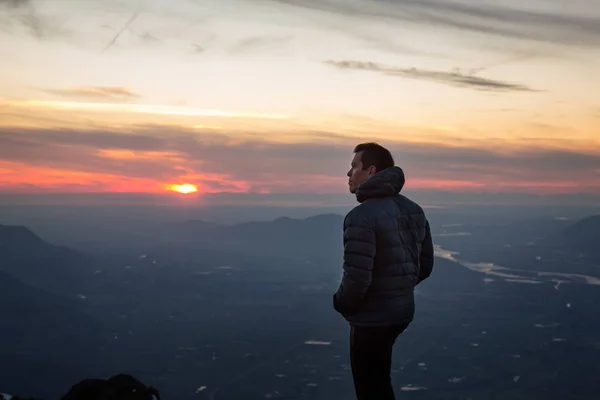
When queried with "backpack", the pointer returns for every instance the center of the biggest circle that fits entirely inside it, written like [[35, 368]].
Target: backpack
[[118, 387]]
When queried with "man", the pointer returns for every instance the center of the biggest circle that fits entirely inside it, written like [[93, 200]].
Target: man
[[388, 250]]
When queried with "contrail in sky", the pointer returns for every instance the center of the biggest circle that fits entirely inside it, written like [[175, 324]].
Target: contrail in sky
[[502, 62], [129, 22]]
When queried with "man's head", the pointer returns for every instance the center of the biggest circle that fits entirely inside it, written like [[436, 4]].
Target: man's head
[[369, 158]]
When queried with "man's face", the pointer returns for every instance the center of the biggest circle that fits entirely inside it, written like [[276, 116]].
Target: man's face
[[357, 175]]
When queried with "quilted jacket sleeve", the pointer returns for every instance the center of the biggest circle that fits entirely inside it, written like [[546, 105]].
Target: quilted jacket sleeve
[[359, 254], [427, 255]]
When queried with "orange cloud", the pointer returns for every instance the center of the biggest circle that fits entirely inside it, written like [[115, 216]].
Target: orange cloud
[[23, 177], [441, 184], [136, 108], [488, 130], [149, 158], [575, 185], [96, 92], [122, 154], [20, 177]]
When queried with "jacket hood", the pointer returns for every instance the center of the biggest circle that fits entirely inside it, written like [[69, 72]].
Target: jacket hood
[[385, 183]]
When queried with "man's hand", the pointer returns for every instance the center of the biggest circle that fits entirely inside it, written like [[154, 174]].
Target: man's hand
[[426, 258]]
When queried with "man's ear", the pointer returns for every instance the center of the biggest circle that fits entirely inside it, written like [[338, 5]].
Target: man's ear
[[372, 170]]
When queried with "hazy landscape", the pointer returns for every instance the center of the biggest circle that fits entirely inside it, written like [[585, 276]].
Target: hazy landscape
[[208, 310], [174, 178]]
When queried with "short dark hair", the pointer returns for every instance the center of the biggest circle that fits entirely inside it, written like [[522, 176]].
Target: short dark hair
[[374, 154]]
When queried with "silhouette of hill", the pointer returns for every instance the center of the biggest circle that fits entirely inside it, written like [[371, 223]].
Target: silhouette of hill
[[15, 234], [292, 235], [195, 227], [272, 227], [31, 311], [551, 248], [30, 259], [583, 236], [283, 236], [213, 311], [44, 333], [19, 241]]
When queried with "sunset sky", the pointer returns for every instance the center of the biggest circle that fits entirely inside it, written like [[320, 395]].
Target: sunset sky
[[270, 96]]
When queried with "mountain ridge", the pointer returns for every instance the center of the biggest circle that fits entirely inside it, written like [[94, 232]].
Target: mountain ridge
[[27, 257], [582, 236]]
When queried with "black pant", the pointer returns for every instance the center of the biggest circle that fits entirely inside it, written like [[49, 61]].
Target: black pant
[[371, 360]]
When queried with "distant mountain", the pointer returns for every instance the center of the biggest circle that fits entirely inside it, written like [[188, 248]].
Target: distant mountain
[[583, 236], [34, 275], [18, 241], [10, 233], [45, 338], [309, 230], [35, 316], [187, 309], [27, 257], [321, 221], [195, 227], [280, 236]]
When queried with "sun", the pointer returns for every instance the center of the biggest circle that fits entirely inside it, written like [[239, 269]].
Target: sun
[[185, 188]]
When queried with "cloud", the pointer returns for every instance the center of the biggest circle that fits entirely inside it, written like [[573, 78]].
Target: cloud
[[120, 32], [259, 42], [49, 159], [450, 78], [149, 38], [198, 49], [15, 3], [95, 92], [26, 108], [219, 162], [24, 14], [580, 25]]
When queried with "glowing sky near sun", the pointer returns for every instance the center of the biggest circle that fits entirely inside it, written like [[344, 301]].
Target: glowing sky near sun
[[183, 188], [270, 96]]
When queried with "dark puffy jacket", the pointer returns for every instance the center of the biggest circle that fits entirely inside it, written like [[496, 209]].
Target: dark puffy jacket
[[388, 250]]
